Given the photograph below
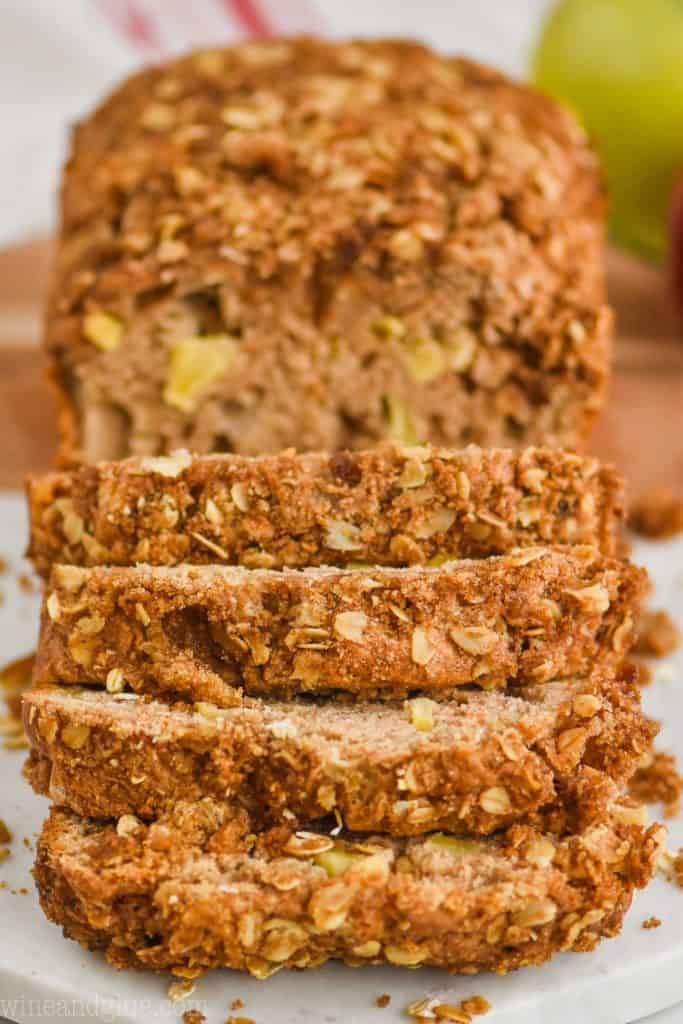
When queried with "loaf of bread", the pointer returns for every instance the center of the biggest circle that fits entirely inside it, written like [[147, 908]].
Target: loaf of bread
[[314, 244], [198, 889]]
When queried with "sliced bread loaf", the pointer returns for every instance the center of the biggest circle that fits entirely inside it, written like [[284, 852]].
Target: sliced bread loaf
[[199, 889], [474, 763], [390, 505], [205, 632]]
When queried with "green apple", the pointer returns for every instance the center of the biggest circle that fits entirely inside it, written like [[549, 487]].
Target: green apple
[[619, 64]]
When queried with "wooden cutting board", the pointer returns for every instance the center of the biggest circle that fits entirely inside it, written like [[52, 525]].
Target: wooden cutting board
[[641, 429]]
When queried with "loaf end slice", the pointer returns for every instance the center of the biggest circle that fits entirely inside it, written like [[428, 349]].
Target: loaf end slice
[[325, 244]]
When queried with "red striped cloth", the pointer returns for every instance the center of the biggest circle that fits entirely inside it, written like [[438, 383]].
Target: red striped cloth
[[158, 28]]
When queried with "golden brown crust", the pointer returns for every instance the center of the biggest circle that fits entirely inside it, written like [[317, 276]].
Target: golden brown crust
[[292, 198], [474, 764], [203, 632], [390, 504], [196, 891]]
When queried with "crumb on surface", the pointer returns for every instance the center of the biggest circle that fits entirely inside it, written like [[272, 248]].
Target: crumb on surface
[[15, 677], [193, 1017], [671, 865], [383, 1000], [657, 514], [18, 742], [658, 781], [240, 1020], [9, 725], [476, 1005], [4, 565], [459, 1013], [651, 922], [236, 1004], [658, 635], [26, 583], [5, 840], [678, 867], [644, 673], [180, 988]]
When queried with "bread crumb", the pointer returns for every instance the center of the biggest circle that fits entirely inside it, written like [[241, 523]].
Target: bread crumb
[[452, 1012], [459, 1013], [657, 636], [644, 673], [16, 743], [9, 725], [671, 865], [15, 677], [383, 1000], [5, 840], [179, 989], [658, 781], [236, 1004], [26, 583], [651, 922], [193, 1017], [4, 565], [239, 1020], [476, 1005], [657, 514], [678, 867]]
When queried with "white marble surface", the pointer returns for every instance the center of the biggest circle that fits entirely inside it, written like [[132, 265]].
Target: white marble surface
[[625, 979]]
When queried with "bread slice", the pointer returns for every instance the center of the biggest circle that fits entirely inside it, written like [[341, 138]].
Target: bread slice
[[475, 763], [389, 505], [322, 244], [203, 632], [198, 890]]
